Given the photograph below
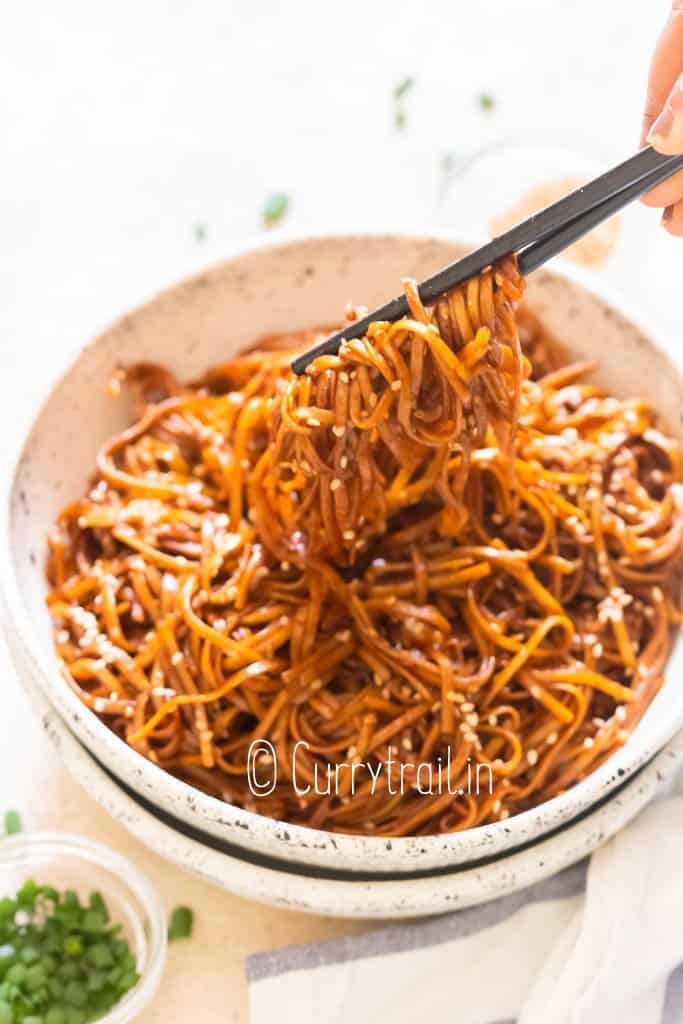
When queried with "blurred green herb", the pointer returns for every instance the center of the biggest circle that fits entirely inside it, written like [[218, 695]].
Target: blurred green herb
[[61, 961], [275, 208], [182, 922], [400, 92], [404, 86], [12, 823], [486, 101], [200, 232]]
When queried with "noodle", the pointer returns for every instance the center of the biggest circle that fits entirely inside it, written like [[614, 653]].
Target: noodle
[[439, 549]]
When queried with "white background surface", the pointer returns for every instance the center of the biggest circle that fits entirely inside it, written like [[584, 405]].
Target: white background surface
[[123, 126]]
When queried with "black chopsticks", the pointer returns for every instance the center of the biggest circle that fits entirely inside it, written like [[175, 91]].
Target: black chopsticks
[[536, 240]]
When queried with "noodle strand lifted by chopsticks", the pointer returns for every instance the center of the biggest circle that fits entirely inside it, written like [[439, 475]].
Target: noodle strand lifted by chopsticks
[[440, 546]]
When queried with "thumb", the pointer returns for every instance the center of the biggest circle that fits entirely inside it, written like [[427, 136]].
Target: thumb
[[666, 134]]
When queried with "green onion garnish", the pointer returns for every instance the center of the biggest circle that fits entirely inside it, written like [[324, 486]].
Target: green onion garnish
[[182, 921], [404, 86], [12, 823], [275, 208], [200, 232], [486, 101], [401, 90], [61, 962]]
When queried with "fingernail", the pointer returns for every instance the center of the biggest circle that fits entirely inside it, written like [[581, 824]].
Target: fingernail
[[667, 215], [666, 134]]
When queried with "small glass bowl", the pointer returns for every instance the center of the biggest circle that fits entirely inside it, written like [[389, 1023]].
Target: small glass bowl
[[74, 862], [501, 183]]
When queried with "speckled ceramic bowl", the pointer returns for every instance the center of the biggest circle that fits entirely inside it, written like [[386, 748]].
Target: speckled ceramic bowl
[[313, 891], [271, 287]]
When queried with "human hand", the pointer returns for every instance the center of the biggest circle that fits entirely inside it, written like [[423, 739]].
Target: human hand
[[663, 117]]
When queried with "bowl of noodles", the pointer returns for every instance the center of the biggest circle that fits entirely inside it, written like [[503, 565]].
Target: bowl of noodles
[[411, 610]]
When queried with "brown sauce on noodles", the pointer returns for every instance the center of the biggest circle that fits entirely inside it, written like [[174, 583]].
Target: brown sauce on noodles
[[441, 546]]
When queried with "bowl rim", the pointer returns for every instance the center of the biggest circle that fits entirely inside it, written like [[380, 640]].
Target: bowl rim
[[90, 851], [288, 837], [379, 898]]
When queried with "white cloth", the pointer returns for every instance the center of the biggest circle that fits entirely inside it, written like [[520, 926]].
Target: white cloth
[[598, 944]]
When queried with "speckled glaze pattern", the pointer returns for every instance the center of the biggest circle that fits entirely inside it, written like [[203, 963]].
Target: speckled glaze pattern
[[370, 898], [270, 287]]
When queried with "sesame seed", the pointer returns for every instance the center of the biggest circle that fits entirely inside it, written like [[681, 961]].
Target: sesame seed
[[551, 738], [620, 713], [336, 484], [177, 657], [588, 742], [532, 757]]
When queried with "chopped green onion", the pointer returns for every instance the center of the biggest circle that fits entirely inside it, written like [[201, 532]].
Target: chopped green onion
[[400, 91], [200, 232], [61, 962], [12, 823], [275, 208], [182, 921], [486, 101], [73, 945], [404, 86]]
